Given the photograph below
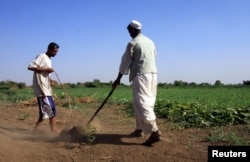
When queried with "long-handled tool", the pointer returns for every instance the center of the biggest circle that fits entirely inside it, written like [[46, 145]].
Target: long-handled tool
[[103, 103]]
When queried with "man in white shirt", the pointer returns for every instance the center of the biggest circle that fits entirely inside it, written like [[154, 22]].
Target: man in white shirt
[[139, 62], [42, 68]]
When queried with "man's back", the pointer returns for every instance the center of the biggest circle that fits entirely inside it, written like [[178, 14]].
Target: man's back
[[144, 54]]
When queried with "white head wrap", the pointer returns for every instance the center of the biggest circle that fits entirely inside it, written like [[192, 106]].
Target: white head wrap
[[135, 24]]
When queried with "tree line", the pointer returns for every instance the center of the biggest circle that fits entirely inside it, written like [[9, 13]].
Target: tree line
[[97, 83]]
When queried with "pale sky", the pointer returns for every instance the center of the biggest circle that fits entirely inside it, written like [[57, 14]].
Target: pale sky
[[196, 40]]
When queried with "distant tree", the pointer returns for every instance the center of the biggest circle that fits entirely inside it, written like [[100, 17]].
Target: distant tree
[[204, 84], [21, 85], [180, 83], [73, 85], [192, 84], [246, 82], [11, 83], [162, 84], [79, 84], [218, 83], [95, 83], [89, 85]]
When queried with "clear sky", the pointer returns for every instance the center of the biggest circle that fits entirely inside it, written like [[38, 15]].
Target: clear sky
[[196, 40]]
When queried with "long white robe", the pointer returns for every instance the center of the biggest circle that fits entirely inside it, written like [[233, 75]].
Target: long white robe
[[139, 61], [144, 95]]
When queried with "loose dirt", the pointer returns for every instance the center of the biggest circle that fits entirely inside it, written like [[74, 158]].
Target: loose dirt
[[106, 140]]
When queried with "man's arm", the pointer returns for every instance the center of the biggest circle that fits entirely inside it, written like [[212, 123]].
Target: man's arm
[[39, 69]]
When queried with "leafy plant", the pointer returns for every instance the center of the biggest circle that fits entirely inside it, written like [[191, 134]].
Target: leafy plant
[[195, 114], [218, 135], [90, 134]]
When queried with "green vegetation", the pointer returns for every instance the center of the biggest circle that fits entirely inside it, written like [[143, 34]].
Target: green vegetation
[[186, 105], [218, 135], [199, 107]]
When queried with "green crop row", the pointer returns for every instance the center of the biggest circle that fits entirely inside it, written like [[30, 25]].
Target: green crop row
[[187, 107], [197, 114]]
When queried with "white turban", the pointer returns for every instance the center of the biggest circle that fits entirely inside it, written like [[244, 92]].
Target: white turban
[[135, 24]]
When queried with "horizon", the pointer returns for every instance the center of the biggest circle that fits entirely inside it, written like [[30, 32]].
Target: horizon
[[58, 82]]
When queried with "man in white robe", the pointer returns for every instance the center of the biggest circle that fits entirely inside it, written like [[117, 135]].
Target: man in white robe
[[139, 62]]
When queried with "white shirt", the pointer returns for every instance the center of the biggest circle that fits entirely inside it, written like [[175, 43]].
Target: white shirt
[[41, 81]]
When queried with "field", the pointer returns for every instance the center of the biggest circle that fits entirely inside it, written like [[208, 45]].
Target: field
[[190, 119]]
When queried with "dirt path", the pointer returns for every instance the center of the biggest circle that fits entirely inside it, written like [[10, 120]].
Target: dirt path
[[112, 143]]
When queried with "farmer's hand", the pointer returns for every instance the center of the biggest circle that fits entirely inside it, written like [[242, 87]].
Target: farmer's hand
[[49, 70], [52, 83]]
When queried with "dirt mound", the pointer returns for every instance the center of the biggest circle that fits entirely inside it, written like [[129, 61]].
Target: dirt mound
[[75, 134]]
